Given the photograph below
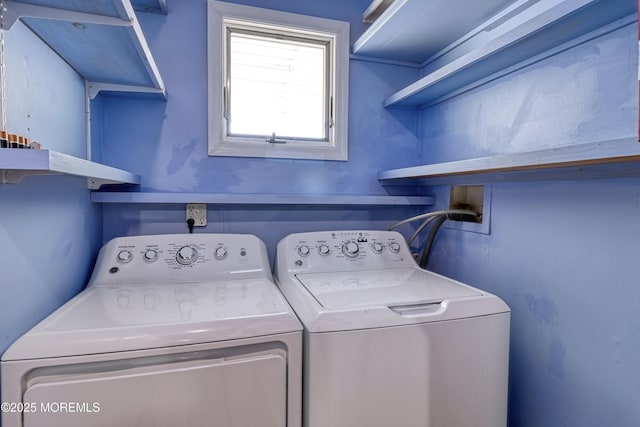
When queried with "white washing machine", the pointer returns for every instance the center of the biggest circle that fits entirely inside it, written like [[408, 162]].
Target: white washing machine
[[172, 330], [387, 343]]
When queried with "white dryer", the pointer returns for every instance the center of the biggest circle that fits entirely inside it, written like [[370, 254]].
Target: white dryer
[[172, 330], [387, 343]]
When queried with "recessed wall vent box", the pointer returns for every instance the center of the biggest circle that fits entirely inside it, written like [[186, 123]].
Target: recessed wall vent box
[[469, 197], [475, 198]]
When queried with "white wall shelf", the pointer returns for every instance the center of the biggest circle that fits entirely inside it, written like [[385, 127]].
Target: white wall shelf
[[16, 163], [523, 31], [497, 38], [260, 199], [102, 40], [413, 30], [602, 159]]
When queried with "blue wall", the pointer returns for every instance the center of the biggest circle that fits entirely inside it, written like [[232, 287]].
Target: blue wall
[[166, 142], [563, 254], [49, 230]]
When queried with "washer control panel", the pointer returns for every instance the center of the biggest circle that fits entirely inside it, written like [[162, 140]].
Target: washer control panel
[[180, 258], [340, 250]]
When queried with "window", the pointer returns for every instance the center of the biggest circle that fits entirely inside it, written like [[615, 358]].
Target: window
[[278, 84]]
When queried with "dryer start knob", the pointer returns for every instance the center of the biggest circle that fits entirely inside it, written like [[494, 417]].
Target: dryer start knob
[[350, 249], [187, 255]]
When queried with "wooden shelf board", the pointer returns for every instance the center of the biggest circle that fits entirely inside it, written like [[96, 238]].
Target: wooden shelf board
[[15, 164], [619, 157]]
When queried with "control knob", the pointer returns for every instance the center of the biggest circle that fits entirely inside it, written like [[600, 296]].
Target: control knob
[[187, 255], [377, 247], [323, 250], [350, 249], [220, 253], [303, 250], [125, 256], [394, 247], [150, 255]]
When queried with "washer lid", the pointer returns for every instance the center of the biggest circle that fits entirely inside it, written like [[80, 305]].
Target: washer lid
[[133, 317], [389, 287]]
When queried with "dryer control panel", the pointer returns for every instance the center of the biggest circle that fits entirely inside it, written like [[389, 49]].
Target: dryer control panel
[[326, 251], [180, 258]]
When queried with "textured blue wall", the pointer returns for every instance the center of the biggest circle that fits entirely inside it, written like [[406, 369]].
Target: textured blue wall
[[584, 94], [166, 142], [49, 230], [563, 254]]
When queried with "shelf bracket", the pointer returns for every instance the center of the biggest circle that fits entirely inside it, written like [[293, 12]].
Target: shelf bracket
[[13, 11], [15, 176], [94, 88], [161, 9], [8, 176], [96, 183]]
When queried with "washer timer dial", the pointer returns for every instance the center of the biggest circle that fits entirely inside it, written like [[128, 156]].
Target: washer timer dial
[[187, 255], [351, 249]]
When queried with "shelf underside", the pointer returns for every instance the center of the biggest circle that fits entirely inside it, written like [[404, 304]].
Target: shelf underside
[[413, 30], [101, 40], [538, 33], [259, 199]]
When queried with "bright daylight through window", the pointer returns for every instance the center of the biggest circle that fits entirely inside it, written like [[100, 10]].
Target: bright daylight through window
[[278, 84]]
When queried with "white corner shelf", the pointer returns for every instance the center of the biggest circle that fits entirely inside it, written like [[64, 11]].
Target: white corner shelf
[[102, 40], [150, 6], [16, 163], [413, 30], [602, 159], [524, 31], [259, 199]]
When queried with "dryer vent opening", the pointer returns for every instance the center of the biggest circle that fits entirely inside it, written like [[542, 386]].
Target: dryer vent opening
[[468, 197]]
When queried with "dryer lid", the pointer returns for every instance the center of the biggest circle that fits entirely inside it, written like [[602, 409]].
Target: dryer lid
[[121, 318], [388, 287]]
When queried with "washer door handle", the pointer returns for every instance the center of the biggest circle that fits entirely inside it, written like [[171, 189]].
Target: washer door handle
[[415, 310]]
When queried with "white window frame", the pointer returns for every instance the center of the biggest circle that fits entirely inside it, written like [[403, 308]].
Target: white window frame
[[220, 16]]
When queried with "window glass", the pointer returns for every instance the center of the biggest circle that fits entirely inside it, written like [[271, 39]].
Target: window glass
[[278, 84]]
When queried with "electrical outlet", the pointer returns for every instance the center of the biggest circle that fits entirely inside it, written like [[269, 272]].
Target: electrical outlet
[[198, 212]]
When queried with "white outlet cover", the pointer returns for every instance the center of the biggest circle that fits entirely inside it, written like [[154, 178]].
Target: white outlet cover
[[197, 211]]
